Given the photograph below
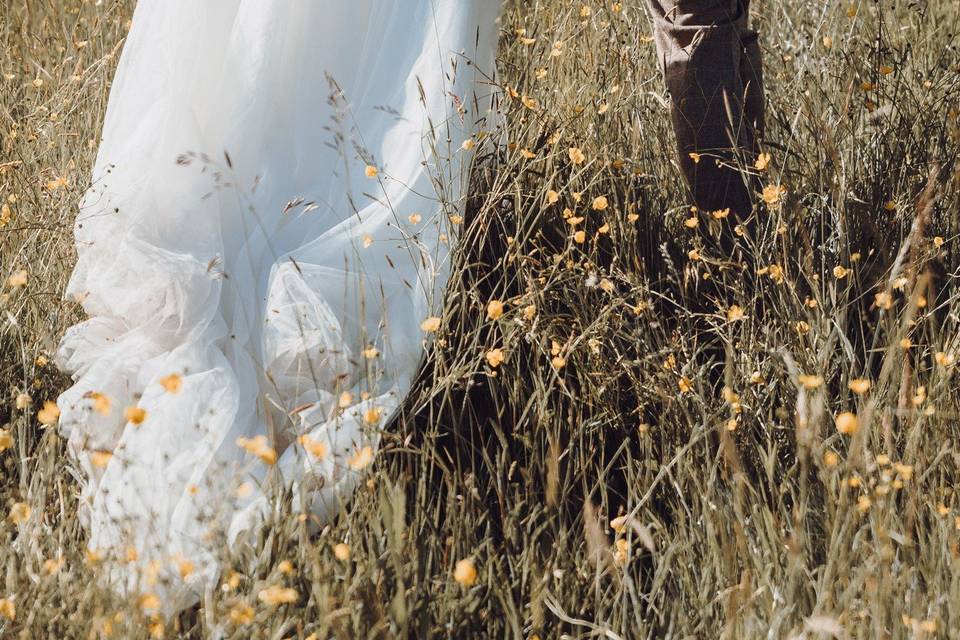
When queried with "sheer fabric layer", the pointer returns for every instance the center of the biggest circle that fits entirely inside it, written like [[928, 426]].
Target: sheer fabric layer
[[245, 273]]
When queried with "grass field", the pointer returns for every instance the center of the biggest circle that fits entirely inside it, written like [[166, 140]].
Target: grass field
[[778, 430]]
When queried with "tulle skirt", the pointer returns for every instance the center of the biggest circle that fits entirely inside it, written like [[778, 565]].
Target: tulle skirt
[[269, 223]]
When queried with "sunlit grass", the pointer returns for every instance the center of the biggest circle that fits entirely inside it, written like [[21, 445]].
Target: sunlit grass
[[621, 431]]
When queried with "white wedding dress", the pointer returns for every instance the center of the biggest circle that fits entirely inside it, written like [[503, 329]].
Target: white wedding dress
[[247, 272]]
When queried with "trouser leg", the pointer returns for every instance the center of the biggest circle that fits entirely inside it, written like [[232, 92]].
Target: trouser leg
[[711, 63]]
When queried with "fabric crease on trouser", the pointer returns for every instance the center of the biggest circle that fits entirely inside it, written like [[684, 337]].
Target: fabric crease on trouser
[[710, 60]]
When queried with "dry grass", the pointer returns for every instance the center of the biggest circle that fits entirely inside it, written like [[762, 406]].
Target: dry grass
[[750, 515]]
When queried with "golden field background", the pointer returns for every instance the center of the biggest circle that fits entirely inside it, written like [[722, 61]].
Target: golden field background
[[778, 429]]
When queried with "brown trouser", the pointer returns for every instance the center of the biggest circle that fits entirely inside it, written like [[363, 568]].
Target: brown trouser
[[711, 62]]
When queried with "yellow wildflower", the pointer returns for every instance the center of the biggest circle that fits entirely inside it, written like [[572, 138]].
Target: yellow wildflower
[[18, 279], [258, 446], [135, 415], [171, 383], [430, 324], [362, 458], [495, 357], [494, 309], [847, 423], [372, 415], [315, 448], [276, 595], [465, 572], [19, 513], [772, 194], [859, 385], [241, 614]]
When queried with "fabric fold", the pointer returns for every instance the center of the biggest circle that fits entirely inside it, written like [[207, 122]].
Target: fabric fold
[[265, 230]]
